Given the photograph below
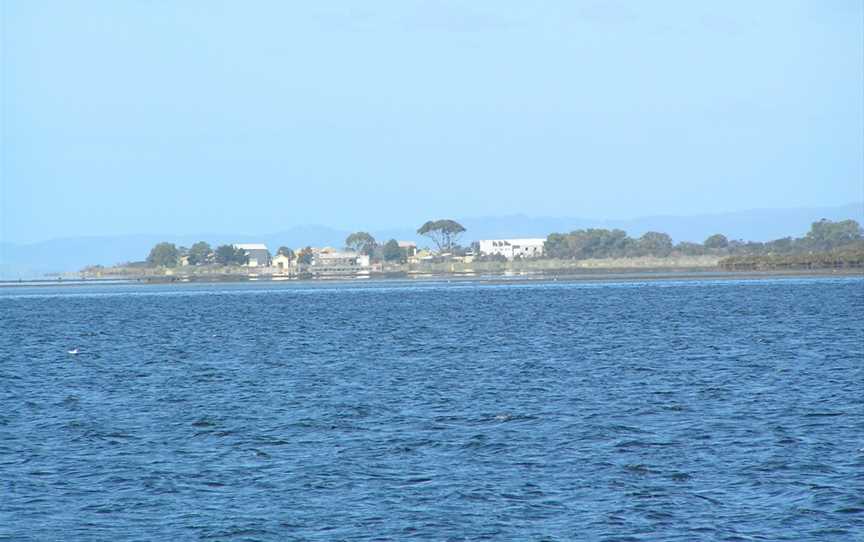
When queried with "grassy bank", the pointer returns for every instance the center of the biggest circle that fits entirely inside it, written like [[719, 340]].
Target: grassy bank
[[847, 258], [539, 269], [557, 265]]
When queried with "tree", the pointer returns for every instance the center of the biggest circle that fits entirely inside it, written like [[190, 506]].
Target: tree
[[163, 255], [361, 242], [689, 249], [590, 243], [655, 243], [556, 246], [392, 252], [199, 253], [827, 234], [716, 241], [304, 257], [784, 244], [444, 233], [229, 255], [285, 251]]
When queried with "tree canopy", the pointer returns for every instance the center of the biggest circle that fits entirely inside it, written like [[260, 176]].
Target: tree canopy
[[826, 234], [590, 243], [654, 243], [285, 251], [361, 242], [200, 253], [718, 240], [163, 255], [229, 255], [305, 255], [392, 252], [444, 233]]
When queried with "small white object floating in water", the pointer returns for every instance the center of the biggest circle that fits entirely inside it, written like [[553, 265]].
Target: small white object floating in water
[[73, 352]]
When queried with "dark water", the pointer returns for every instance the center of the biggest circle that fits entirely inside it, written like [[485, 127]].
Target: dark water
[[654, 411]]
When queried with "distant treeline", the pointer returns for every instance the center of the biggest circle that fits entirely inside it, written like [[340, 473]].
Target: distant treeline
[[444, 233], [838, 244], [169, 255], [841, 258], [824, 236]]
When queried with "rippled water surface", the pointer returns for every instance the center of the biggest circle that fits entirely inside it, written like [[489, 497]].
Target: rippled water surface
[[639, 411]]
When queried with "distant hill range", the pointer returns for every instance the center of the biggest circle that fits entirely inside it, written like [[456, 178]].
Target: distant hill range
[[71, 254]]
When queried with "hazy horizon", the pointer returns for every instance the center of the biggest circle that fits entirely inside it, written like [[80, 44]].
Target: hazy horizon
[[856, 213], [135, 118], [73, 253]]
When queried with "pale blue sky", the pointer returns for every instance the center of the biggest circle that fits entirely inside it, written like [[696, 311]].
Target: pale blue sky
[[251, 116]]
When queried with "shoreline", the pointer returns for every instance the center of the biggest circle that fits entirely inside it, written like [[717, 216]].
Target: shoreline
[[592, 275]]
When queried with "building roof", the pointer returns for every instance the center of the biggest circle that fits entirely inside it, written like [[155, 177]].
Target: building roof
[[250, 246], [406, 244], [525, 241], [338, 254]]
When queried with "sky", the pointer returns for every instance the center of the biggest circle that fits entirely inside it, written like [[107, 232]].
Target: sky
[[204, 116]]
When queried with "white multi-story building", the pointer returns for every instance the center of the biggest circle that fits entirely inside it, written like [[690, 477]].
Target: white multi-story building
[[512, 248], [328, 261], [331, 258]]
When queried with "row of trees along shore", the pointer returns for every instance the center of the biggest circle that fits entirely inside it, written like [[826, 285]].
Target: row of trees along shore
[[200, 253], [837, 244], [444, 233], [823, 236]]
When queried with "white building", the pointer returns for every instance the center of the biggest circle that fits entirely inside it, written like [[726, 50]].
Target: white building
[[328, 261], [334, 258], [512, 248]]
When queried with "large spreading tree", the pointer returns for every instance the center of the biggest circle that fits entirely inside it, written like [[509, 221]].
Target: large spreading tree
[[361, 242], [827, 234], [163, 255], [444, 233]]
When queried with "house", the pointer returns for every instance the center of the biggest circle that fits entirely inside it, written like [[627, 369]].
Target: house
[[257, 254], [282, 262], [422, 256], [512, 248], [409, 248]]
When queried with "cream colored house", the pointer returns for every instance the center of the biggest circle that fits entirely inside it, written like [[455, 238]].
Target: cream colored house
[[423, 255], [283, 262]]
